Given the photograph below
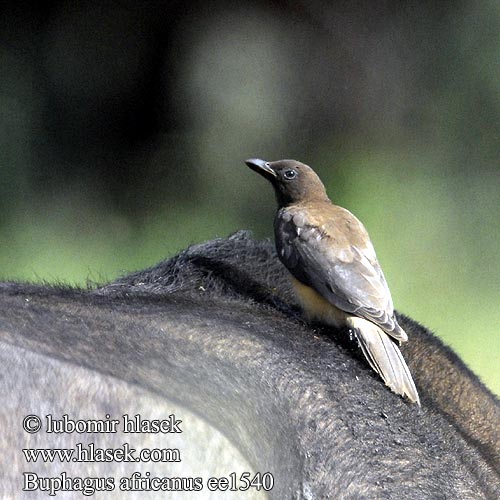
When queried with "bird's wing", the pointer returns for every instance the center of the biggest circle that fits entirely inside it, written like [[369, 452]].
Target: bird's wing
[[334, 256]]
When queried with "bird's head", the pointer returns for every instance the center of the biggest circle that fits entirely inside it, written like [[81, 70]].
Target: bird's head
[[293, 181]]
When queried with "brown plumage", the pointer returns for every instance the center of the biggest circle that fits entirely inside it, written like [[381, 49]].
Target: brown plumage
[[336, 275]]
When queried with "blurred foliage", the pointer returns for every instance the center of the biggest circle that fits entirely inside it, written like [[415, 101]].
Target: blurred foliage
[[123, 130]]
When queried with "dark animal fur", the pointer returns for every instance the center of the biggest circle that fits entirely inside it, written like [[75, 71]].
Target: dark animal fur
[[216, 329]]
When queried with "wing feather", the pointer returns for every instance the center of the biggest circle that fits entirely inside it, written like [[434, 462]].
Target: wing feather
[[337, 259]]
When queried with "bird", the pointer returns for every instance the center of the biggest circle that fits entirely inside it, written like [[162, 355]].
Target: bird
[[334, 269]]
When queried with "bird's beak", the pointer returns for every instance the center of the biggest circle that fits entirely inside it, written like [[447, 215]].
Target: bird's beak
[[262, 167]]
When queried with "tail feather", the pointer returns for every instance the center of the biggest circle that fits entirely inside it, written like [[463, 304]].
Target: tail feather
[[385, 358]]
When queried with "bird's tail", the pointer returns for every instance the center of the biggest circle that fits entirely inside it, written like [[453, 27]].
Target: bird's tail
[[385, 358]]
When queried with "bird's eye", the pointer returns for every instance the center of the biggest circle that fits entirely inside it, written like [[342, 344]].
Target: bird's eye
[[289, 174]]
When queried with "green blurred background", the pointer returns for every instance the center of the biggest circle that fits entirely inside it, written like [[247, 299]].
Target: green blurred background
[[124, 126]]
